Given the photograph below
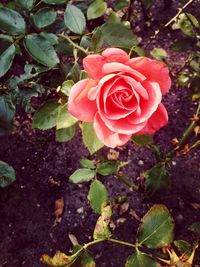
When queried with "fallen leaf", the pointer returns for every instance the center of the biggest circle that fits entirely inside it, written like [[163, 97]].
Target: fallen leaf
[[120, 221], [112, 154], [73, 239], [123, 208], [134, 215], [59, 208], [196, 206]]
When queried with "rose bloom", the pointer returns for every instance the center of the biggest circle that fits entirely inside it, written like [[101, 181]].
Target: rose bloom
[[122, 97]]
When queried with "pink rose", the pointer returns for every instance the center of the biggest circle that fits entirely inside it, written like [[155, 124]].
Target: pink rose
[[122, 97]]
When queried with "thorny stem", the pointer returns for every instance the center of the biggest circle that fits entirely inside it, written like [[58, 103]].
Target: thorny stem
[[186, 135], [189, 130], [111, 240], [93, 243], [123, 179], [122, 242], [74, 44], [169, 22]]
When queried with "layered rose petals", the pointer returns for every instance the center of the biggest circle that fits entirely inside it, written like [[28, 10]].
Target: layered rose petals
[[123, 96]]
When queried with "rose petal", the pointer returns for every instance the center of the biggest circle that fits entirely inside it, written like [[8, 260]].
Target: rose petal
[[79, 105], [108, 137], [156, 121], [155, 71], [115, 55], [108, 68], [93, 63], [148, 107]]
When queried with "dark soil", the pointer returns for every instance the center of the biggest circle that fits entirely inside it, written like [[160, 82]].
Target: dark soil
[[27, 225]]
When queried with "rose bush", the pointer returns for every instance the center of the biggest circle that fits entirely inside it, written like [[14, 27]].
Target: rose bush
[[122, 97]]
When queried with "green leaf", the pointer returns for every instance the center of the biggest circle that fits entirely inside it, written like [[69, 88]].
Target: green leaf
[[156, 179], [87, 260], [7, 109], [82, 175], [188, 24], [87, 163], [45, 117], [6, 59], [183, 246], [140, 259], [195, 228], [107, 168], [90, 139], [64, 135], [102, 229], [74, 19], [74, 73], [11, 21], [117, 35], [183, 79], [156, 230], [41, 50], [44, 17], [30, 71], [7, 174], [159, 53], [66, 87], [147, 3], [120, 4], [97, 39], [26, 4], [64, 118], [97, 195], [54, 2], [195, 65], [145, 139], [51, 37], [96, 9]]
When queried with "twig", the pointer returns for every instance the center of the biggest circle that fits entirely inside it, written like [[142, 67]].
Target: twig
[[74, 44], [169, 22]]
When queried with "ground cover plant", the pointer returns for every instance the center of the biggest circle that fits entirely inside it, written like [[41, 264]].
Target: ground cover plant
[[99, 124]]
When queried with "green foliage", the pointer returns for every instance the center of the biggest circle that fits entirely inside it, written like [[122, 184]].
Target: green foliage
[[118, 35], [65, 134], [107, 168], [157, 227], [66, 87], [156, 179], [159, 53], [82, 175], [75, 19], [188, 24], [45, 117], [183, 246], [6, 56], [195, 228], [97, 195], [44, 17], [90, 139], [7, 174], [26, 4], [96, 9], [11, 21], [139, 259], [145, 139], [41, 50], [64, 118], [87, 163]]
